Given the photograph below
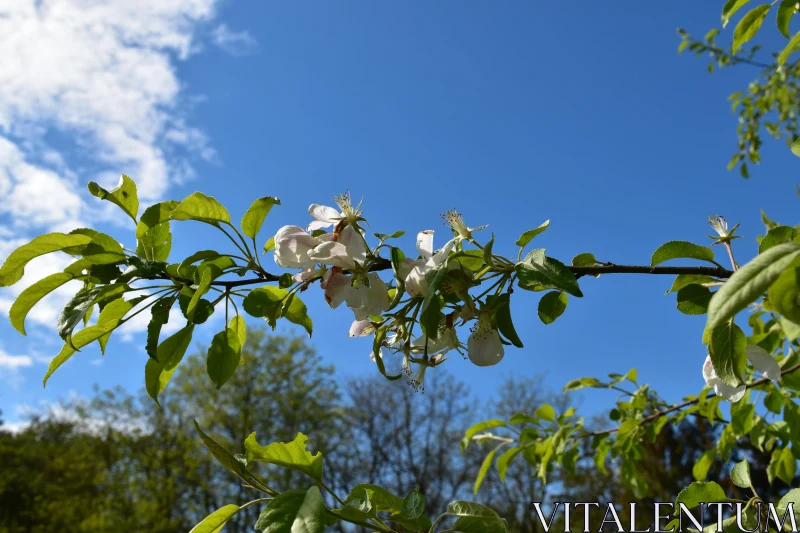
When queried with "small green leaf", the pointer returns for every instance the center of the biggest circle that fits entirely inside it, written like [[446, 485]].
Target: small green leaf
[[774, 401], [582, 383], [528, 236], [255, 215], [198, 206], [585, 259], [740, 474], [546, 412], [214, 522], [273, 302], [103, 250], [79, 340], [749, 26], [552, 305], [76, 308], [124, 195], [684, 280], [413, 505], [159, 317], [748, 284], [504, 461], [475, 518], [727, 350], [786, 11], [14, 266], [537, 270], [487, 462], [202, 288], [775, 236], [228, 460], [269, 245], [703, 464], [503, 318], [294, 511], [32, 295], [157, 372], [790, 48], [681, 250], [694, 299], [731, 7], [111, 315], [796, 144], [784, 294], [477, 428], [224, 355], [701, 492], [292, 455]]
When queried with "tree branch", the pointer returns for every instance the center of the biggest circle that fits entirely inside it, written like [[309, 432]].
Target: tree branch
[[658, 414], [385, 264]]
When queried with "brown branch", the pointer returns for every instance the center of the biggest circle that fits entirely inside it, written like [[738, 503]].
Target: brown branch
[[385, 264], [678, 407]]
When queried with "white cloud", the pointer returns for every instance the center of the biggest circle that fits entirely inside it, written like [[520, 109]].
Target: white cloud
[[14, 361], [236, 43], [97, 77]]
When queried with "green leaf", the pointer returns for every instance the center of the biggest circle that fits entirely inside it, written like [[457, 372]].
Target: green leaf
[[703, 464], [471, 259], [157, 372], [537, 270], [782, 465], [198, 206], [701, 492], [740, 474], [784, 294], [694, 299], [774, 401], [546, 412], [413, 505], [582, 383], [749, 26], [154, 215], [273, 302], [269, 245], [294, 511], [748, 284], [153, 236], [796, 144], [504, 461], [76, 308], [788, 50], [291, 455], [111, 315], [487, 462], [727, 351], [214, 522], [159, 317], [32, 295], [124, 195], [743, 419], [681, 250], [379, 498], [228, 460], [103, 250], [475, 518], [684, 280], [79, 340], [552, 305], [14, 266], [239, 325], [223, 356], [731, 7], [585, 259], [528, 236], [477, 428], [503, 319], [255, 215], [776, 236], [202, 288]]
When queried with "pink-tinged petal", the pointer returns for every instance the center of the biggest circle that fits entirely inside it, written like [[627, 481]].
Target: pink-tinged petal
[[353, 243], [361, 328], [331, 253], [404, 269], [425, 243], [323, 213], [763, 362], [708, 371], [337, 287], [309, 273]]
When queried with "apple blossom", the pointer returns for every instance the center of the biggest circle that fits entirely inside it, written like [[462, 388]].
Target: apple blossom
[[292, 246], [326, 217], [761, 360], [415, 283], [456, 222], [484, 346]]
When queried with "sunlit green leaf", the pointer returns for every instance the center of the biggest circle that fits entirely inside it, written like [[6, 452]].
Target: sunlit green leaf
[[749, 26], [198, 206], [214, 522], [124, 195], [552, 305], [477, 428], [681, 250], [255, 215], [294, 511], [158, 372], [475, 518], [32, 295], [292, 455], [528, 236], [223, 356], [14, 266], [537, 270]]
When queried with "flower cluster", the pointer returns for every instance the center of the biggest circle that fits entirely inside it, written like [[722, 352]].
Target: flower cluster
[[333, 249]]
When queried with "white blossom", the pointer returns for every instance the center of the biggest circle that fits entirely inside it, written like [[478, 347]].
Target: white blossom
[[484, 347]]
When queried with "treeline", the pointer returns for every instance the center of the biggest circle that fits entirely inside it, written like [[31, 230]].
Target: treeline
[[116, 463]]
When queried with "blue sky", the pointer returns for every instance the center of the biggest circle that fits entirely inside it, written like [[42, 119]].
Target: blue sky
[[514, 113]]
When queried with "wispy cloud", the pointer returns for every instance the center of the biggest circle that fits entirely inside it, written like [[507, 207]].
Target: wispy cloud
[[10, 366], [236, 43]]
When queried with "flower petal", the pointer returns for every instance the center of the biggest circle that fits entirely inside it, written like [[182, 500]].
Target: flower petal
[[425, 243], [353, 243], [708, 371], [484, 347], [337, 287], [730, 393], [332, 253], [361, 328], [323, 213], [416, 285], [763, 362]]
